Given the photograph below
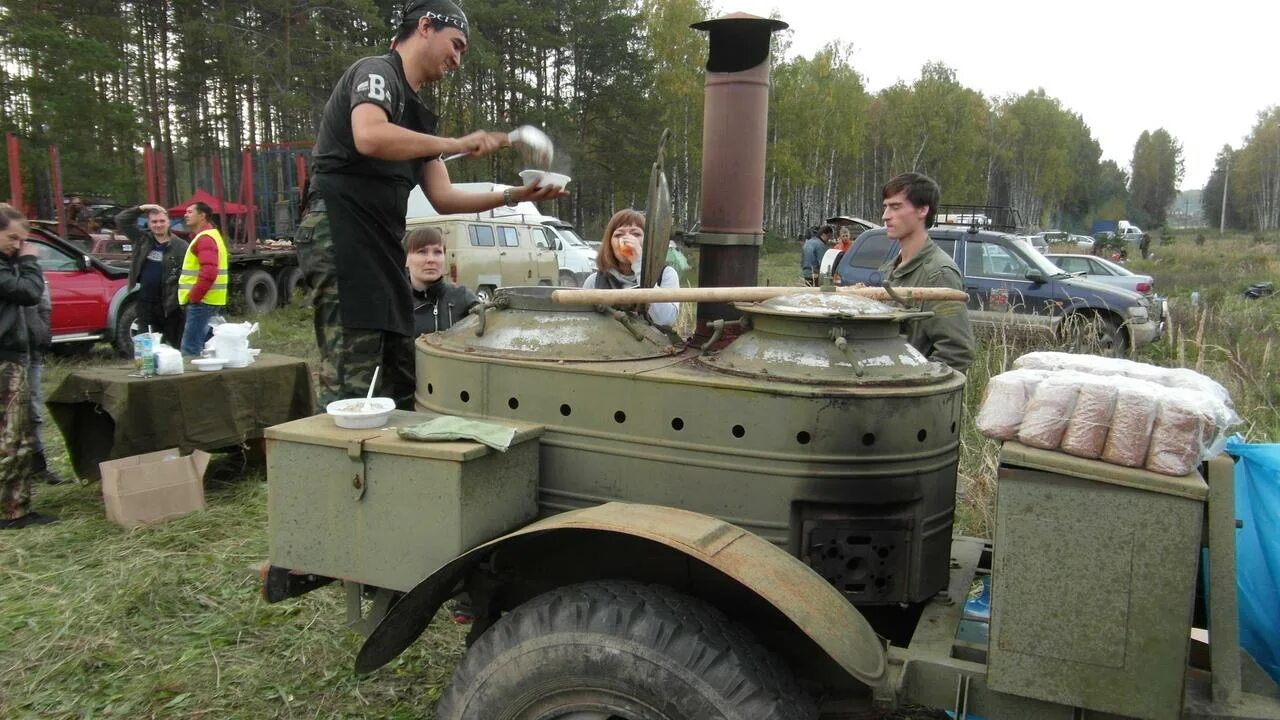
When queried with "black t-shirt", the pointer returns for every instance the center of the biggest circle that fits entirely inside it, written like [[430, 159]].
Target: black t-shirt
[[366, 197]]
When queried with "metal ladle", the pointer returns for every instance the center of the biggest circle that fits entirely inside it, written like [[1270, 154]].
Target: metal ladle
[[532, 144]]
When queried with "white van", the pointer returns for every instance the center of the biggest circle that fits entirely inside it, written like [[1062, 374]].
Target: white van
[[577, 259]]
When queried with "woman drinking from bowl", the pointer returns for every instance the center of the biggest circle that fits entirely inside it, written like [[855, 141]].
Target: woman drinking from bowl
[[618, 263]]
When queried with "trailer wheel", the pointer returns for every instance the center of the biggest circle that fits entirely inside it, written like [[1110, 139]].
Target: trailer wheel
[[620, 650], [259, 291], [568, 279], [287, 281]]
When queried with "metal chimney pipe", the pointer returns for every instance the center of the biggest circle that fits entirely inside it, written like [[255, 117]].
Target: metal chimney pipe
[[734, 131]]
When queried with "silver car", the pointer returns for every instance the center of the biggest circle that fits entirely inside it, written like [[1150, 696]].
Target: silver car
[[1104, 271]]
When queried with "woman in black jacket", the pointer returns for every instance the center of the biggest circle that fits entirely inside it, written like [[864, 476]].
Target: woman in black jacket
[[437, 303], [21, 286]]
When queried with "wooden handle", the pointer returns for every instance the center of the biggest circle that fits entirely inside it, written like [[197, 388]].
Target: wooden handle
[[637, 296]]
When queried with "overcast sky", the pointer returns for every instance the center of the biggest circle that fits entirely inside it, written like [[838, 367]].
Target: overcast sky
[[1200, 70]]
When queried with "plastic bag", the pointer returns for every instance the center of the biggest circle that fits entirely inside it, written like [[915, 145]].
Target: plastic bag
[[168, 361], [1090, 421], [1123, 412], [1005, 403], [1048, 411], [1137, 404], [1222, 410], [1258, 550]]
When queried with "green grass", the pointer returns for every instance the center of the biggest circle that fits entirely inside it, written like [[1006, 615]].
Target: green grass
[[166, 622]]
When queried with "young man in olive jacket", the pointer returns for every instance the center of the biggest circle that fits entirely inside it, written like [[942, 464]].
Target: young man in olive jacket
[[910, 207], [154, 270]]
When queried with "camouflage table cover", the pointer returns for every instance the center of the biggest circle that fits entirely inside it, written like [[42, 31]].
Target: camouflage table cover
[[105, 414]]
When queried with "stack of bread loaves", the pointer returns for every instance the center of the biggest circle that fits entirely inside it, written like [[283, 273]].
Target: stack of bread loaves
[[1122, 412]]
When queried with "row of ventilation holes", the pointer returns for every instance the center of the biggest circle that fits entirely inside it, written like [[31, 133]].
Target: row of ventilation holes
[[677, 424]]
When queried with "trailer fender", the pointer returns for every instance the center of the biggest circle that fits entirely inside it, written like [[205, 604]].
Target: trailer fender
[[808, 601]]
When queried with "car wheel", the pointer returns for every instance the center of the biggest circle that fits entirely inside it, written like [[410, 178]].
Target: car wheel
[[568, 279], [123, 340], [259, 291], [1090, 333], [287, 282], [484, 294], [610, 650]]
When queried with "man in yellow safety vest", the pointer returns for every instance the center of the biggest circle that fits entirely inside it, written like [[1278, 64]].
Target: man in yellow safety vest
[[202, 286]]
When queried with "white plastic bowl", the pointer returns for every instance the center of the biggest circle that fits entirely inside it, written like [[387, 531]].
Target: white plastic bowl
[[358, 413], [545, 178], [209, 364]]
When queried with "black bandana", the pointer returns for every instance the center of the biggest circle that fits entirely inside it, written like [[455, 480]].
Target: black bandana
[[442, 11]]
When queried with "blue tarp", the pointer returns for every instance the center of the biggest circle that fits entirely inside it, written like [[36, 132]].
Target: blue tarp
[[1258, 550]]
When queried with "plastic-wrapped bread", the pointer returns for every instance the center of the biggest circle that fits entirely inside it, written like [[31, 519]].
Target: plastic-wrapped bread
[[1090, 420], [1049, 409], [1178, 434], [1005, 403], [1222, 412], [1130, 435]]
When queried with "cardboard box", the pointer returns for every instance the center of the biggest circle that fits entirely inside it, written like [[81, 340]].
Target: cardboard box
[[143, 489]]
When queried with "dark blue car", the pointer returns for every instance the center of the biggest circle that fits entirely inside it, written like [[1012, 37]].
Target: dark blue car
[[1012, 286]]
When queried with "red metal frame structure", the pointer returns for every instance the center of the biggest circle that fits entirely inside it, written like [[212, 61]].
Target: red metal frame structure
[[17, 194], [16, 198]]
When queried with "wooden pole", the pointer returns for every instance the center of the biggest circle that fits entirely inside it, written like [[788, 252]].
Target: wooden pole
[[637, 296]]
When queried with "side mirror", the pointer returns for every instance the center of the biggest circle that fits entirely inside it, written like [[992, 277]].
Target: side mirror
[[83, 262], [1035, 276]]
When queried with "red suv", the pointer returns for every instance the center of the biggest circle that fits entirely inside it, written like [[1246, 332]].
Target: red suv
[[91, 300]]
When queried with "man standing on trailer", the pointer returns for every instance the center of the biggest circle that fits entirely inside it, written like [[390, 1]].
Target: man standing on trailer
[[910, 208], [376, 141]]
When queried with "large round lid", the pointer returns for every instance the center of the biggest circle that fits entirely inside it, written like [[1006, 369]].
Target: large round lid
[[826, 338], [524, 323]]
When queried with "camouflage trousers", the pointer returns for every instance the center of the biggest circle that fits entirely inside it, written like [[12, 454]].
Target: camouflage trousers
[[16, 441], [348, 356]]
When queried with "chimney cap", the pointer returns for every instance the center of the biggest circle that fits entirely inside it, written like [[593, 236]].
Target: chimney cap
[[740, 18]]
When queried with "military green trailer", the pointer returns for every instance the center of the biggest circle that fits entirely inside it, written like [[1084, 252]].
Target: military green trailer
[[759, 531], [757, 523]]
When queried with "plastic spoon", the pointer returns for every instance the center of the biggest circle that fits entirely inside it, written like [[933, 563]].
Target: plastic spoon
[[372, 384]]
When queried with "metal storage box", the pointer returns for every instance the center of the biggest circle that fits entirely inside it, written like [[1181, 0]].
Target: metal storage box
[[1106, 625], [365, 505]]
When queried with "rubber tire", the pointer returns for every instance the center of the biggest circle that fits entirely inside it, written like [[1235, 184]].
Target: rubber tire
[[484, 294], [287, 282], [568, 279], [123, 340], [1101, 335], [620, 649], [257, 281]]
